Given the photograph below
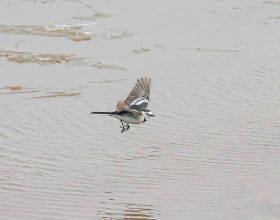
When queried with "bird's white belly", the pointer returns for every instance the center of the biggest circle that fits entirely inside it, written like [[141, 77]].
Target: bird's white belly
[[130, 120]]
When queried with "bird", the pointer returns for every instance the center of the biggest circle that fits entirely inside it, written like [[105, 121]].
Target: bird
[[133, 110]]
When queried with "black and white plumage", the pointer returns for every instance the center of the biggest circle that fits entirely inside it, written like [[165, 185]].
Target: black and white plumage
[[133, 110]]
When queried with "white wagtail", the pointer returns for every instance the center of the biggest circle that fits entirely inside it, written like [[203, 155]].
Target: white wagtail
[[133, 110]]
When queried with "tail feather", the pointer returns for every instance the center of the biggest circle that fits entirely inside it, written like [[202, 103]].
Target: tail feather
[[104, 113]]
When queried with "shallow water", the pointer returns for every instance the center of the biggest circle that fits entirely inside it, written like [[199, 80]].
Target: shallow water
[[211, 152]]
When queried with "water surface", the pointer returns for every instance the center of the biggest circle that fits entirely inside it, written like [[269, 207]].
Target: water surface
[[212, 152]]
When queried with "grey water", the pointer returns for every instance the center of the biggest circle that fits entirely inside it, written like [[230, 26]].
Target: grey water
[[211, 152]]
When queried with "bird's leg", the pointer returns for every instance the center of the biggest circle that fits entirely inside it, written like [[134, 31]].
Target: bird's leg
[[127, 127], [122, 124], [123, 128]]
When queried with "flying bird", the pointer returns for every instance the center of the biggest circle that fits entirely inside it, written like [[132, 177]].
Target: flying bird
[[133, 110]]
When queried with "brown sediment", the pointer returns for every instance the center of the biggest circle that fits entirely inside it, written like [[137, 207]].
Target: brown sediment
[[141, 50], [19, 92], [39, 58], [14, 87], [107, 66], [138, 214], [17, 89], [209, 50], [58, 94], [72, 32]]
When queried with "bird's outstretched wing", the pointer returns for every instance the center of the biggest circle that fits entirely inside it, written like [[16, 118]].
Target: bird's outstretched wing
[[138, 98]]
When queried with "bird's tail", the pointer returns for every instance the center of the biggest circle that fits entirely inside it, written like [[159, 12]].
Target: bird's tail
[[103, 113]]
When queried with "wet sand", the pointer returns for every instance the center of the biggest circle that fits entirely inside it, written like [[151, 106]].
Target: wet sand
[[211, 152]]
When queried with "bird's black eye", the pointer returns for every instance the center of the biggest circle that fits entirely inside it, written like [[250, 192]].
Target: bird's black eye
[[145, 119]]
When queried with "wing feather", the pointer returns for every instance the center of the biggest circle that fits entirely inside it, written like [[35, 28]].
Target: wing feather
[[139, 96]]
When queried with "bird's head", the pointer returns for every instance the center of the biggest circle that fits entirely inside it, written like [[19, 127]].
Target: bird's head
[[149, 113]]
